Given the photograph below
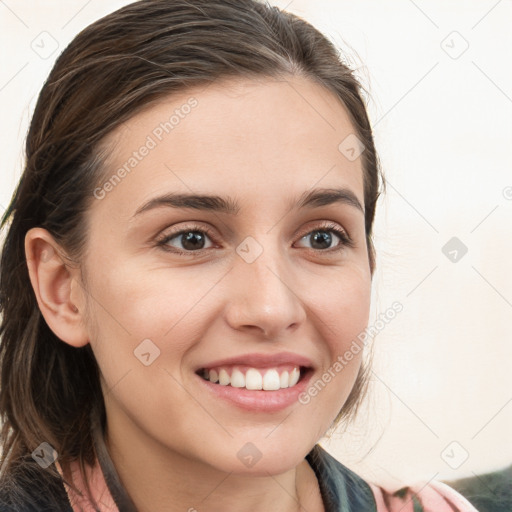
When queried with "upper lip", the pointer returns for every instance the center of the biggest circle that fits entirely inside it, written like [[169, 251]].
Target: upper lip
[[261, 360]]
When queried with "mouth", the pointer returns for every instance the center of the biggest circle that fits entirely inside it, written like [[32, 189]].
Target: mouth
[[268, 378], [258, 383]]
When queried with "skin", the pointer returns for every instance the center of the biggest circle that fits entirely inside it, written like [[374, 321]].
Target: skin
[[264, 143]]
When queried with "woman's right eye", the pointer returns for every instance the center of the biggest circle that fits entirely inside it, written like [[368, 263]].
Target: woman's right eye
[[192, 239]]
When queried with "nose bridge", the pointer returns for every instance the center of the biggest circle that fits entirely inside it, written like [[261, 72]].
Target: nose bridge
[[263, 289]]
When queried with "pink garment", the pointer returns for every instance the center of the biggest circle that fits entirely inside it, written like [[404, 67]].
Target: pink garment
[[99, 490], [433, 496]]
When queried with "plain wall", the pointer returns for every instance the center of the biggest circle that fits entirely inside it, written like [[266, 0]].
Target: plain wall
[[440, 84]]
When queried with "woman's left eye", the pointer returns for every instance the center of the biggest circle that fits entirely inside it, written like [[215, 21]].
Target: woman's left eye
[[322, 237], [192, 239]]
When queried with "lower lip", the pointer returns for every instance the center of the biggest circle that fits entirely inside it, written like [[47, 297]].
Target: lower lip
[[259, 400]]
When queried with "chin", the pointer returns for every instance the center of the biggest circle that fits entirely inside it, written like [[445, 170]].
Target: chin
[[262, 456]]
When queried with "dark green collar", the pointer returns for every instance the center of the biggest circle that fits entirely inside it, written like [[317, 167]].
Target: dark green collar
[[342, 490]]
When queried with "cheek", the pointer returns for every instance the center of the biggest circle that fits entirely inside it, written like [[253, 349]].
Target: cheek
[[342, 307], [342, 312], [145, 302], [145, 326], [129, 306]]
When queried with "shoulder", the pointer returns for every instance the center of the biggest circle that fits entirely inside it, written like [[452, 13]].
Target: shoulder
[[490, 492], [343, 489], [422, 497]]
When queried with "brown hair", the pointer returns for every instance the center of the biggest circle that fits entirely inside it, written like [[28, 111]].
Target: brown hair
[[50, 391]]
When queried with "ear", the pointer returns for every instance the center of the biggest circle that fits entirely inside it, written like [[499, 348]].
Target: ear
[[57, 287]]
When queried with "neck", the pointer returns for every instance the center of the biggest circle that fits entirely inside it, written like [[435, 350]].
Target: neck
[[160, 480]]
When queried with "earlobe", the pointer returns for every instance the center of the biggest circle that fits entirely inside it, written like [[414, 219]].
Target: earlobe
[[52, 281]]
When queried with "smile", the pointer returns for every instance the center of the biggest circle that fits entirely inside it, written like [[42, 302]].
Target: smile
[[267, 379], [257, 382]]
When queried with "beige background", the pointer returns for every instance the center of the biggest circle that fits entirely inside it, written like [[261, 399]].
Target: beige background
[[440, 81]]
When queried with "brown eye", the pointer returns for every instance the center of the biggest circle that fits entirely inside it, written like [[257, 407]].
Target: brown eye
[[188, 240], [323, 238]]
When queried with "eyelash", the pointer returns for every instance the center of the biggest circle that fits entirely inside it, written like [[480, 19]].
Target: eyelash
[[345, 240]]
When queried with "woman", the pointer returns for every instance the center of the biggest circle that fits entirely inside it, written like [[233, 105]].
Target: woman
[[189, 252]]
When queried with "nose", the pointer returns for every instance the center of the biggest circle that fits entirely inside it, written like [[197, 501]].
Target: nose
[[264, 297]]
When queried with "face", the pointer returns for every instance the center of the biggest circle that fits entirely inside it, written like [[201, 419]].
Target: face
[[243, 287]]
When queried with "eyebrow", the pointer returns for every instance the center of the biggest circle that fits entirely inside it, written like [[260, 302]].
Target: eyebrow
[[310, 199]]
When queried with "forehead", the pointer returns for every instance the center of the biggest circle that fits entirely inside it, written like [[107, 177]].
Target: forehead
[[249, 138]]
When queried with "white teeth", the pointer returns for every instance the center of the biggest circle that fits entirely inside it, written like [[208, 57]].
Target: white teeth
[[237, 379], [271, 380], [253, 379], [294, 377], [223, 377]]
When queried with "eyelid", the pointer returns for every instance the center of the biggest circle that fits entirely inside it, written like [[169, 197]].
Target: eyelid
[[162, 240], [341, 233], [346, 240]]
